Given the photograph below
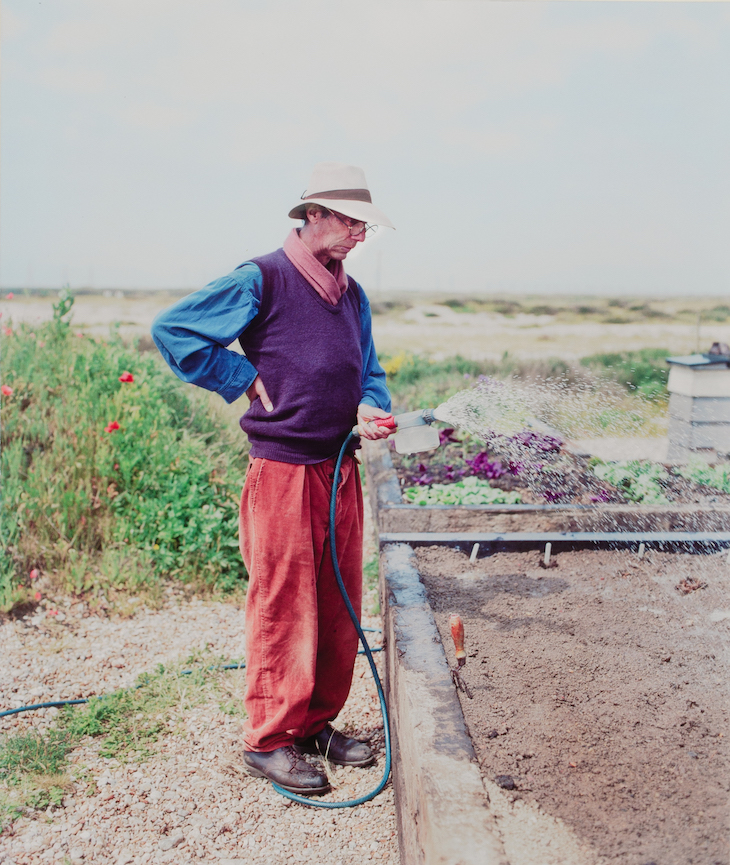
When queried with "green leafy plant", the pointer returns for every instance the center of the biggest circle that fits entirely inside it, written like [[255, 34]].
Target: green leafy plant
[[114, 472], [470, 491], [639, 480], [700, 472]]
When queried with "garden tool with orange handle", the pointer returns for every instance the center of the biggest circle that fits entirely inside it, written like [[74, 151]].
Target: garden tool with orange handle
[[457, 635]]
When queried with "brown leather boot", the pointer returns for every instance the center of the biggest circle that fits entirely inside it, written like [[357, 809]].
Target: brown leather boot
[[337, 748], [286, 768]]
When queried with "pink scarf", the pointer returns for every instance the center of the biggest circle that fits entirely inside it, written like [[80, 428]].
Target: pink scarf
[[330, 285]]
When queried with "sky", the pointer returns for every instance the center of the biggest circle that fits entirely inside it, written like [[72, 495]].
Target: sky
[[518, 147]]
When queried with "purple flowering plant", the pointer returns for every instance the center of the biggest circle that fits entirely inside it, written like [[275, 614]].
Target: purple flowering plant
[[484, 467]]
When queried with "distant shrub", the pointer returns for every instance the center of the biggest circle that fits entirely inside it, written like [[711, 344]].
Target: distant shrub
[[543, 310], [717, 313], [645, 370]]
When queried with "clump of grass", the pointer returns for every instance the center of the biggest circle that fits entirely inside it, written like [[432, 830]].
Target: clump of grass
[[35, 754], [109, 482], [370, 572], [34, 766]]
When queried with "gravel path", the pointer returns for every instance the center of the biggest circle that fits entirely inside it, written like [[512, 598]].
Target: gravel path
[[191, 801]]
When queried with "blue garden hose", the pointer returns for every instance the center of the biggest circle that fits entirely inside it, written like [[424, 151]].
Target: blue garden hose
[[350, 803], [59, 704]]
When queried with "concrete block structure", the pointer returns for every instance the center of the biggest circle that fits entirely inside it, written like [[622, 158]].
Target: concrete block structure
[[699, 407]]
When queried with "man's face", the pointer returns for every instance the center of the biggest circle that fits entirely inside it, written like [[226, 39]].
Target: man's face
[[330, 234]]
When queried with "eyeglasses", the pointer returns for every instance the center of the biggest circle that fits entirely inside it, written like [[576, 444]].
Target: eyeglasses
[[356, 227]]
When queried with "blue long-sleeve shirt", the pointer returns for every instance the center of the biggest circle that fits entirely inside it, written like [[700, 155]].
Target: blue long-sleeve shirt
[[193, 336]]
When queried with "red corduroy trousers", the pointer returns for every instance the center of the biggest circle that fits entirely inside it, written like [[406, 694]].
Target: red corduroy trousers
[[300, 641]]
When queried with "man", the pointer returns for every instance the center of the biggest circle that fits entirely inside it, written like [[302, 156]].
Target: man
[[311, 372]]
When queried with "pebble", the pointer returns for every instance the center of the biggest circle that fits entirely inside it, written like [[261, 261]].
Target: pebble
[[173, 840]]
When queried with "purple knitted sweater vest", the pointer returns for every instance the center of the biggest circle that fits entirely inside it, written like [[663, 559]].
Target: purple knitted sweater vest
[[309, 356]]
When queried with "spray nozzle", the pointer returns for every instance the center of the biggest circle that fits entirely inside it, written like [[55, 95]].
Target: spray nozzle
[[413, 430], [415, 433]]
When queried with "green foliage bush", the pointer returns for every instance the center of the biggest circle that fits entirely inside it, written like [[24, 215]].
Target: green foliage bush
[[645, 371], [157, 496]]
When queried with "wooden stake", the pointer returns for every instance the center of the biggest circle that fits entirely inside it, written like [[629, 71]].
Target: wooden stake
[[474, 553], [642, 548]]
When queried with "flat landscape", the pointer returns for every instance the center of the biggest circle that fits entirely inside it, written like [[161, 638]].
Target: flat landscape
[[442, 325]]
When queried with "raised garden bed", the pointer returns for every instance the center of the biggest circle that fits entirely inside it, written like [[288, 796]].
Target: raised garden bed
[[575, 652], [599, 695]]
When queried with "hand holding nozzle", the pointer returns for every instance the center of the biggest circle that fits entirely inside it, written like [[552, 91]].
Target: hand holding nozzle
[[457, 635], [388, 422], [413, 429], [374, 423]]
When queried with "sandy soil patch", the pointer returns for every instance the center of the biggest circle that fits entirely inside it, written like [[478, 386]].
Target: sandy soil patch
[[486, 336]]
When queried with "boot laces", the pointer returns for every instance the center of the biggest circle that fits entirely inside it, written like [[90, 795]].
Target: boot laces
[[298, 763]]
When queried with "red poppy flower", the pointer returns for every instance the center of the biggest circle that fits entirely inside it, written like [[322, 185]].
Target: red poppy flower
[[9, 295], [8, 331], [53, 612], [34, 574], [6, 390], [111, 427], [38, 596], [126, 376]]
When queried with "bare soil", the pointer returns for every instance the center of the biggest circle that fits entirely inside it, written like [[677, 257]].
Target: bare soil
[[600, 693]]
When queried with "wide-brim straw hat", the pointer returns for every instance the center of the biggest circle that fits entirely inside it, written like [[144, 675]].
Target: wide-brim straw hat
[[343, 188]]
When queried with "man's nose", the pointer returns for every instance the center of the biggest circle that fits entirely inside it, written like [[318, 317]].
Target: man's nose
[[358, 238]]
